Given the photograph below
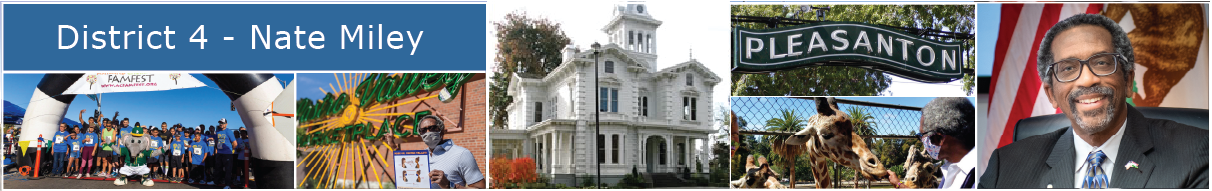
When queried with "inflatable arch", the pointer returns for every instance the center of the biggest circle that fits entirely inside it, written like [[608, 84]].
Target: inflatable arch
[[253, 95]]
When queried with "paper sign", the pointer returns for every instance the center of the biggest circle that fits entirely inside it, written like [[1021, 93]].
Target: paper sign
[[412, 168]]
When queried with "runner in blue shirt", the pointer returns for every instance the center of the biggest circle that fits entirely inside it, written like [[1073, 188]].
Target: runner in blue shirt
[[198, 153], [176, 160], [74, 143], [59, 149], [210, 161], [89, 140], [226, 141], [154, 162]]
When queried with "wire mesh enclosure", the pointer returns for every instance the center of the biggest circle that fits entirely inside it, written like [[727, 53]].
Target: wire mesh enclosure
[[886, 120]]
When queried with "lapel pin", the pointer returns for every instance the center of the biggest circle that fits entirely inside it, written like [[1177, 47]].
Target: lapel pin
[[1131, 164]]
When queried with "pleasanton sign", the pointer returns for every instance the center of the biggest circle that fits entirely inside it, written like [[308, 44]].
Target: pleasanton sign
[[846, 44]]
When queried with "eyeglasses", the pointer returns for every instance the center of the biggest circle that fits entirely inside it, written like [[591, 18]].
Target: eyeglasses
[[1101, 64], [431, 128], [930, 137]]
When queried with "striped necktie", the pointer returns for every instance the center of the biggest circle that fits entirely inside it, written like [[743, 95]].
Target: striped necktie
[[1095, 177]]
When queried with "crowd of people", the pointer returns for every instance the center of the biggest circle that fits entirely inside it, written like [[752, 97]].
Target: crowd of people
[[199, 154]]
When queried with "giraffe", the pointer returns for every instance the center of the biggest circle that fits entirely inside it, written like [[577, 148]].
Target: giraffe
[[920, 170], [830, 135], [758, 175]]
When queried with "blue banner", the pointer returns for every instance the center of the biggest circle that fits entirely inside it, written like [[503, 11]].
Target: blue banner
[[244, 37]]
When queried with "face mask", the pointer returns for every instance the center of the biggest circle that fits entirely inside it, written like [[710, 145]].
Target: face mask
[[931, 148], [431, 139]]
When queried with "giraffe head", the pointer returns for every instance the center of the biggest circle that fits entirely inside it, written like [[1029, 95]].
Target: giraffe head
[[831, 135], [920, 171]]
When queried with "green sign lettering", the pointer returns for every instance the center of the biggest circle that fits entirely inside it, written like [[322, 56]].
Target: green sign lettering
[[847, 44]]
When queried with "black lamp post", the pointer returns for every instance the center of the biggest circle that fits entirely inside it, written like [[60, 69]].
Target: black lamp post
[[596, 119]]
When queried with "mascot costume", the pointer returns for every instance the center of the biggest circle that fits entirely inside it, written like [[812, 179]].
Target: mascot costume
[[136, 152]]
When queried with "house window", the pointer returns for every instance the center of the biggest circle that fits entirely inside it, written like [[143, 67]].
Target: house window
[[630, 37], [689, 80], [681, 150], [538, 111], [690, 107], [609, 66], [601, 148], [608, 100], [648, 42], [614, 100], [614, 142], [540, 155], [555, 107], [643, 106], [639, 38], [664, 153]]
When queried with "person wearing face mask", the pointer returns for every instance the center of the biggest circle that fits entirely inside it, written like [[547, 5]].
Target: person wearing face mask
[[452, 166], [948, 134]]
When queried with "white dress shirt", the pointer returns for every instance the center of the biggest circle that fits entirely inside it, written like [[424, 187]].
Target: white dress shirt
[[1083, 150], [956, 173]]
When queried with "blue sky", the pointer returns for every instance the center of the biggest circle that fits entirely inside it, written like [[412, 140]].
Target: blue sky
[[987, 17], [759, 109], [190, 106], [308, 84]]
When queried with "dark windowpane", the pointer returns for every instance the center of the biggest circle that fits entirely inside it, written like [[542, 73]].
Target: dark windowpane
[[693, 108], [601, 148], [602, 99], [664, 153], [615, 149], [645, 102], [614, 100], [609, 66], [538, 111], [689, 80]]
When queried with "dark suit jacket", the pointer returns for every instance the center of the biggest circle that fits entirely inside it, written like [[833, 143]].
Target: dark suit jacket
[[1170, 155]]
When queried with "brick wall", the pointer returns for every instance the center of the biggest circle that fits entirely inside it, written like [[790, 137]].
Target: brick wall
[[468, 108]]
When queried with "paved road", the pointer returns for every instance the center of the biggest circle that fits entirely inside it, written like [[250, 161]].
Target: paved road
[[16, 181]]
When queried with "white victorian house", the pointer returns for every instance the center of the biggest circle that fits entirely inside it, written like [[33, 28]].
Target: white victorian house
[[655, 120]]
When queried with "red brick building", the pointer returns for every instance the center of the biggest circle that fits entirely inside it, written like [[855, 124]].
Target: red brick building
[[350, 164]]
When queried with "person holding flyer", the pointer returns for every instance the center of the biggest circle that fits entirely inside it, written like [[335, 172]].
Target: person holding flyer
[[452, 166]]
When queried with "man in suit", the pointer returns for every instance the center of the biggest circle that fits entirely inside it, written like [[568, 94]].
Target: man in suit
[[1086, 64]]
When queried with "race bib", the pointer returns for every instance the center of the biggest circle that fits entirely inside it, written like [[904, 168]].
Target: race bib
[[198, 150], [155, 143], [58, 139], [176, 152], [88, 141], [75, 147]]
